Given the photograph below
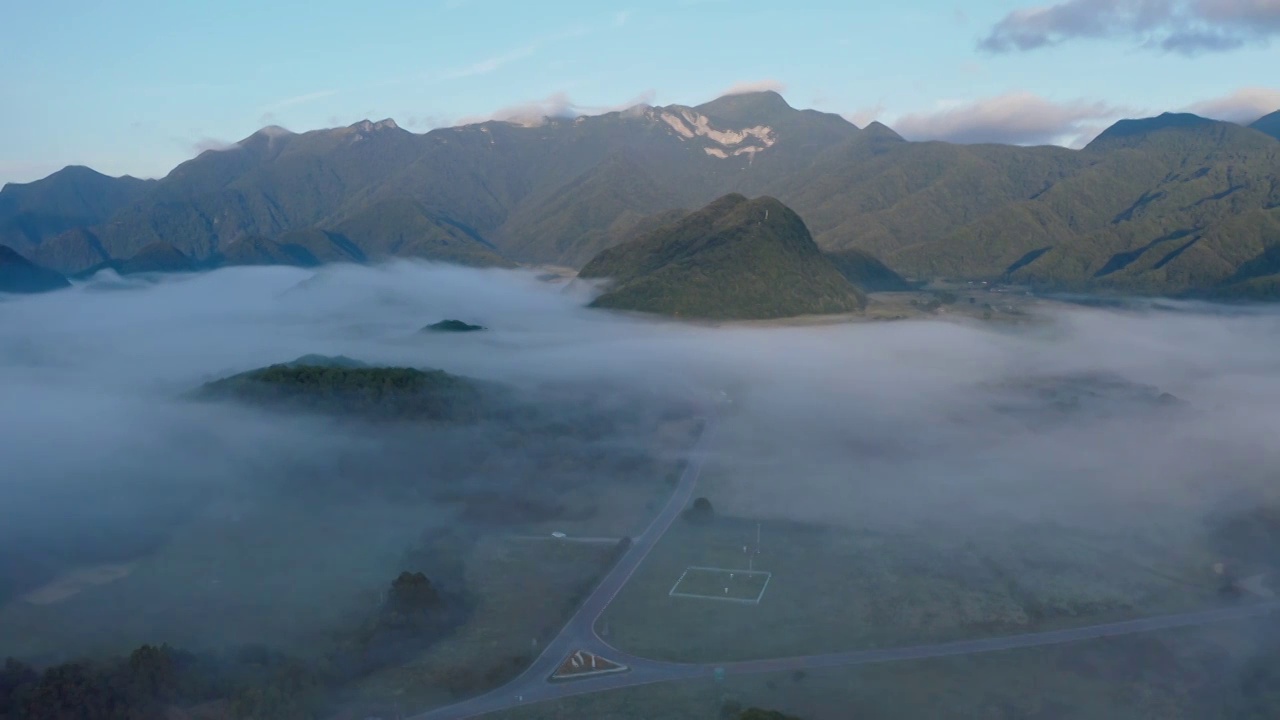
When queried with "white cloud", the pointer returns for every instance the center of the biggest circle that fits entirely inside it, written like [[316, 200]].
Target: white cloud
[[863, 117], [1241, 106], [556, 105], [1019, 118], [750, 86]]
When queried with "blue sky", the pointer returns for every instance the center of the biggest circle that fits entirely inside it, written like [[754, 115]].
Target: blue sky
[[137, 86]]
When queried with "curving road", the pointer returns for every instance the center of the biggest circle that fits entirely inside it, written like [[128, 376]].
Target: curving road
[[532, 686]]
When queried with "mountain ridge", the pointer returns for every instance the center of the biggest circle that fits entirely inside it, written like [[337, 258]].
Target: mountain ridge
[[560, 190]]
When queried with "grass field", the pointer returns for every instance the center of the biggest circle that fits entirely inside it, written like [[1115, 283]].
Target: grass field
[[721, 584], [1189, 674], [835, 589], [525, 590]]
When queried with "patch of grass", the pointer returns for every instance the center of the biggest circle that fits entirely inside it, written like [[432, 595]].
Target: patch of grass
[[833, 589]]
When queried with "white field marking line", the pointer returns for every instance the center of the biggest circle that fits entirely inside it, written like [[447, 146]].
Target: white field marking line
[[730, 571], [678, 581]]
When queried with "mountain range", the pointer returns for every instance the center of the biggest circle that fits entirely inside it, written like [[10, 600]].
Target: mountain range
[[1173, 204]]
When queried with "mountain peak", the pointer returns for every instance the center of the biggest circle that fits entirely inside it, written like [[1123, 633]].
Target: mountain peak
[[265, 137], [370, 126], [1127, 132], [746, 108], [878, 130], [274, 131]]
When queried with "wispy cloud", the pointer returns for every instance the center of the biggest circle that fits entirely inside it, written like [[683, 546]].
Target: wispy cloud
[[296, 100], [1019, 118], [496, 62], [1187, 27]]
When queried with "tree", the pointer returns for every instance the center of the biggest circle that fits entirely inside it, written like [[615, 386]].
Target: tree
[[15, 679], [700, 511]]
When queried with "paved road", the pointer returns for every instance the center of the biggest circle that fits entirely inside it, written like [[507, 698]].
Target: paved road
[[579, 633]]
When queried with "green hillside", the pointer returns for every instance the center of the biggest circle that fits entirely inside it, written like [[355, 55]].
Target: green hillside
[[340, 386], [75, 196], [404, 228], [1166, 205], [865, 271], [158, 257], [1268, 125], [597, 210], [257, 250], [21, 276], [734, 259]]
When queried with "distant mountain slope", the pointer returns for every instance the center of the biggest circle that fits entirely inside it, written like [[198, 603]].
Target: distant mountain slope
[[596, 210], [1164, 205], [72, 252], [75, 196], [404, 228], [1170, 204], [20, 275], [734, 259], [257, 250], [1268, 124], [344, 387], [159, 257], [865, 271], [324, 246]]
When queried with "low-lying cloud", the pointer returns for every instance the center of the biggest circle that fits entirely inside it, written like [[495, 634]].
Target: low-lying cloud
[[1019, 118], [555, 105], [928, 426], [753, 86], [1241, 106]]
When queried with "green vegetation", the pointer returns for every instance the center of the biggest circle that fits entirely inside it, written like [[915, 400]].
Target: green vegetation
[[404, 228], [75, 196], [700, 511], [839, 589], [257, 250], [734, 259], [253, 683], [453, 326], [158, 257], [867, 272], [595, 211], [340, 388], [20, 275]]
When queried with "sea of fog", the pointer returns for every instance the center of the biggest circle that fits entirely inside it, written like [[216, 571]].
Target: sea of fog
[[1159, 415]]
